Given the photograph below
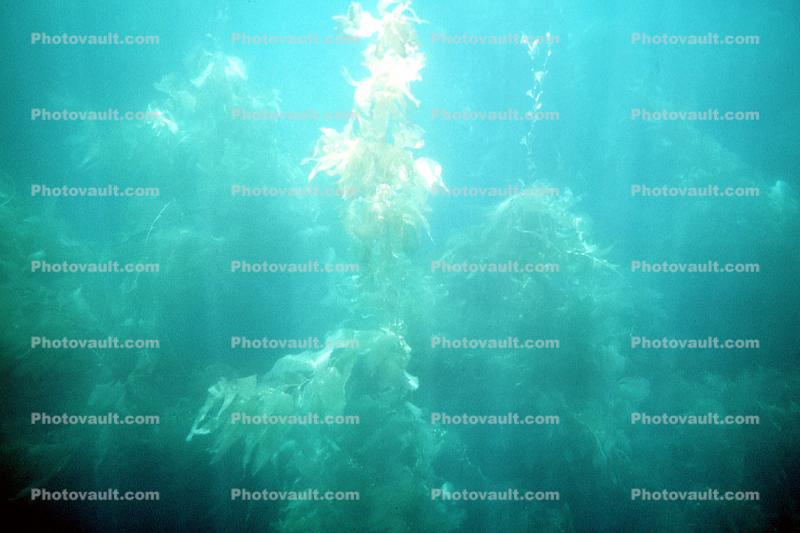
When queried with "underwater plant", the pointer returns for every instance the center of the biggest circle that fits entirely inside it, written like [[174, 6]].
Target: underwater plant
[[327, 381], [384, 184], [539, 51], [388, 456]]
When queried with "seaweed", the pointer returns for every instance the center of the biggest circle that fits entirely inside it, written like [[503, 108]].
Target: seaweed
[[384, 187], [384, 184]]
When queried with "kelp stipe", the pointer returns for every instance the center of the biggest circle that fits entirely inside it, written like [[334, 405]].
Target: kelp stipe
[[387, 458], [384, 184]]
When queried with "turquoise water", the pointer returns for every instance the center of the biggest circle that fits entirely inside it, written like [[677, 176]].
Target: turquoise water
[[449, 266]]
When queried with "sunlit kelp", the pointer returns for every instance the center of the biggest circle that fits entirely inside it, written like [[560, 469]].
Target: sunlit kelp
[[387, 457], [310, 382], [384, 185]]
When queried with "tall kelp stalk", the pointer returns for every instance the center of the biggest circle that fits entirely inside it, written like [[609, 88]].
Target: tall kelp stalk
[[386, 458], [384, 186]]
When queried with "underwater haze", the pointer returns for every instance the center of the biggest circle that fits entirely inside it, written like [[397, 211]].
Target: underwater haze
[[512, 266]]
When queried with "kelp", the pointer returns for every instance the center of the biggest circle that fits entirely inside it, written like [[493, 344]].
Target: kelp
[[384, 184], [387, 457], [324, 382]]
